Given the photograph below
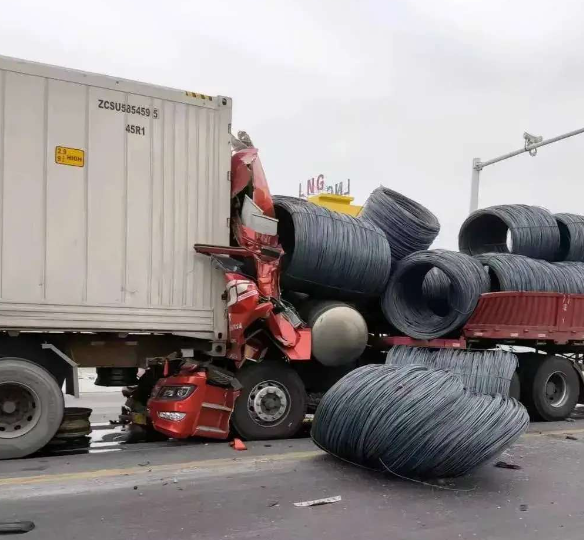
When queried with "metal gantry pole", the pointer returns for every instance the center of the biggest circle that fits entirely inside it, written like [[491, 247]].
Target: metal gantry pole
[[531, 145]]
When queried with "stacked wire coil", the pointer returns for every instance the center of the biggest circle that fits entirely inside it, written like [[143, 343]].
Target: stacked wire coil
[[328, 254], [533, 231], [485, 372], [406, 307], [408, 225]]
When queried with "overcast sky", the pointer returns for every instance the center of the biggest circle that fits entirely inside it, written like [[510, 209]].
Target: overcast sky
[[402, 93]]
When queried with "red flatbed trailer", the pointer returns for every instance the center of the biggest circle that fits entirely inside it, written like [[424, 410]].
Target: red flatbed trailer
[[550, 385]]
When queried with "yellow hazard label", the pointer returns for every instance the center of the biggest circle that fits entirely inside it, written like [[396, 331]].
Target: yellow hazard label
[[69, 156], [199, 96]]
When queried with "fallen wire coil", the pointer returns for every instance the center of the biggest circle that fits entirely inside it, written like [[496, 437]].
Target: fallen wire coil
[[408, 225], [534, 232], [328, 254], [485, 372], [406, 307], [414, 422], [571, 237], [508, 272]]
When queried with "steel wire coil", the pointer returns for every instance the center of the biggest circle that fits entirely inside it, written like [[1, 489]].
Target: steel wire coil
[[571, 228], [508, 272], [436, 291], [328, 254], [406, 307], [534, 232], [407, 224], [414, 421], [484, 372]]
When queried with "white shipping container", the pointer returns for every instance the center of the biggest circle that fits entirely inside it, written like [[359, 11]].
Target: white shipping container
[[105, 185]]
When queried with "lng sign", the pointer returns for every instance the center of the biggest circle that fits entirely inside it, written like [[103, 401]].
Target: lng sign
[[315, 186]]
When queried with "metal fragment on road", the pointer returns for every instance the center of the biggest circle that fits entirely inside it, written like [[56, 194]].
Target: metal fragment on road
[[318, 502], [505, 465], [16, 527]]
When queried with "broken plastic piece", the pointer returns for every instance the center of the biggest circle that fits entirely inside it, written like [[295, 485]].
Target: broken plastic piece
[[237, 444], [319, 502]]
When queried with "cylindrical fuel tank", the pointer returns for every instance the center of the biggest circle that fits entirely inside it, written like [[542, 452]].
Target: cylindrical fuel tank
[[339, 332]]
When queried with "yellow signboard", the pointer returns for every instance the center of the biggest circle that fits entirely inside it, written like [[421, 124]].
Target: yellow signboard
[[69, 156]]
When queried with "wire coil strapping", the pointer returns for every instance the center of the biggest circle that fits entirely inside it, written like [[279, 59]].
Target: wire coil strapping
[[534, 232], [414, 422], [407, 309], [571, 237], [485, 372], [408, 225], [329, 254], [510, 272]]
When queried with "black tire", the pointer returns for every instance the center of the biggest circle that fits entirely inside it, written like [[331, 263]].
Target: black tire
[[46, 414], [246, 422], [515, 387], [549, 387]]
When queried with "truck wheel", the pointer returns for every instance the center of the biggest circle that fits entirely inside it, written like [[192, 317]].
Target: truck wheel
[[550, 388], [272, 403], [31, 407]]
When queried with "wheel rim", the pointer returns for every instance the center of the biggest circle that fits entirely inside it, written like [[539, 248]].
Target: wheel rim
[[20, 410], [556, 389], [268, 403]]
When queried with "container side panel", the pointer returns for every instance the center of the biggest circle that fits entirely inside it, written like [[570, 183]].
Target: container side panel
[[221, 210], [168, 117], [203, 215], [139, 202], [180, 205], [23, 203], [158, 155], [195, 263], [104, 190], [2, 124], [66, 234], [106, 198]]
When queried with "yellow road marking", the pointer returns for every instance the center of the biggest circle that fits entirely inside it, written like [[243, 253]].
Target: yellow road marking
[[107, 473]]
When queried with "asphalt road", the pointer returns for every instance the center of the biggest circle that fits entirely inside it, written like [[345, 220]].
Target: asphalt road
[[209, 491]]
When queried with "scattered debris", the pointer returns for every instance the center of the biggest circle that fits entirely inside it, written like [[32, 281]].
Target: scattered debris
[[165, 484], [570, 420], [319, 502], [174, 481], [267, 445], [16, 527], [146, 463], [523, 507], [135, 487], [273, 503], [237, 444], [571, 438], [505, 465], [140, 494]]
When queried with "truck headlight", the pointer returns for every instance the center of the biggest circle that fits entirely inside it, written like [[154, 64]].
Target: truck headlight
[[176, 392], [174, 416]]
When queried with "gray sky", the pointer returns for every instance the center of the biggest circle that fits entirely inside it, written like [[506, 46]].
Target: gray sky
[[402, 93]]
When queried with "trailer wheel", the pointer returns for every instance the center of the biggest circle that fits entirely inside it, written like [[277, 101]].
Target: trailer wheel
[[272, 403], [550, 388], [31, 407]]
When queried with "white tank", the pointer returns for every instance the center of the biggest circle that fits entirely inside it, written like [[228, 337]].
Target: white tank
[[339, 332]]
